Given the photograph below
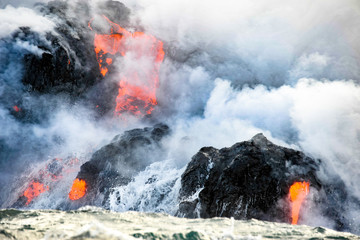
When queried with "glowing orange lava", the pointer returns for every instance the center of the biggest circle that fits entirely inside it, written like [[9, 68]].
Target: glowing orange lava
[[298, 191], [16, 108], [142, 56], [34, 190], [48, 175], [78, 189]]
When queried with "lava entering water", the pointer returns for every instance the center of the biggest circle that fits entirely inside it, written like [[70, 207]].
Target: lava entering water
[[298, 192], [78, 189], [139, 77], [47, 177], [34, 190]]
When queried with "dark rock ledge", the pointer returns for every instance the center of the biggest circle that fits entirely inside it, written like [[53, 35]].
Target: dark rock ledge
[[251, 179]]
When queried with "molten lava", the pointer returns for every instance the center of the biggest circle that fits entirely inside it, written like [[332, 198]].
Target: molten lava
[[139, 78], [47, 177], [16, 108], [298, 192], [78, 189], [34, 190]]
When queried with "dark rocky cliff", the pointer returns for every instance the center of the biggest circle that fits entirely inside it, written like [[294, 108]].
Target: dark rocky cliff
[[65, 66], [118, 162], [251, 179], [69, 63]]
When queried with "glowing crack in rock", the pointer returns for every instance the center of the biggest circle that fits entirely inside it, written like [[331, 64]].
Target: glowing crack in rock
[[298, 191], [142, 56]]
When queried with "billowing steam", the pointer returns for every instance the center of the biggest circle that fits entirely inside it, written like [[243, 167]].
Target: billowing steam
[[289, 69]]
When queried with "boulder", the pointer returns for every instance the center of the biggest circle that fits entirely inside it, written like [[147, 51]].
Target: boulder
[[251, 179], [116, 163]]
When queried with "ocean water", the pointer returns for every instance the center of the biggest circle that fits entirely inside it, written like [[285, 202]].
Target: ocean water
[[97, 223]]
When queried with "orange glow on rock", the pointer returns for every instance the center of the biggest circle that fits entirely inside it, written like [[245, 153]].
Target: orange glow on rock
[[16, 108], [47, 177], [109, 61], [298, 191], [78, 189], [139, 78], [34, 190]]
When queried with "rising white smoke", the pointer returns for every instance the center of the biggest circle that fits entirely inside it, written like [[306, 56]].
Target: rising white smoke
[[304, 54], [289, 69]]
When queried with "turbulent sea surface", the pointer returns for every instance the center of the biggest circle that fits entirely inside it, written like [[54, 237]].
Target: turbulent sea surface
[[96, 223]]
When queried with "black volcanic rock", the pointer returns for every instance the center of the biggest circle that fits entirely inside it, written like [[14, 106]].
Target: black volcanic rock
[[251, 179], [115, 164], [68, 64], [243, 181]]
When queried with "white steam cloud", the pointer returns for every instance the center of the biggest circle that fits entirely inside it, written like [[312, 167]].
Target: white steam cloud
[[12, 18], [21, 3], [268, 40], [288, 69]]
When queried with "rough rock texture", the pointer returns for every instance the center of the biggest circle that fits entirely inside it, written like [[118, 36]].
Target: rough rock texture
[[251, 179], [69, 62], [65, 64], [116, 163]]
